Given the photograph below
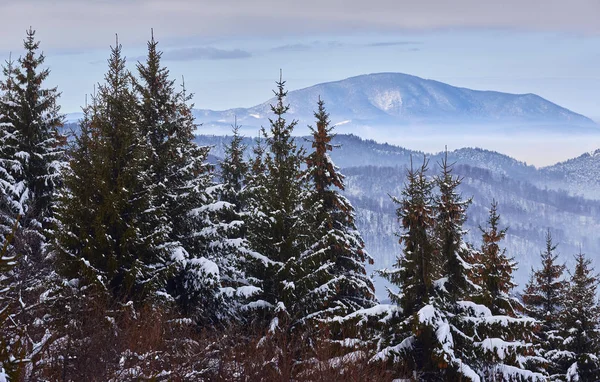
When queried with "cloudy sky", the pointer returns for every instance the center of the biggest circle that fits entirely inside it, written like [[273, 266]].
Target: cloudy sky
[[230, 51]]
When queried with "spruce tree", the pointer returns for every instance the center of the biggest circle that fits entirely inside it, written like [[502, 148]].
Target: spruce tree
[[259, 267], [439, 333], [494, 269], [13, 190], [450, 210], [544, 300], [32, 146], [109, 235], [277, 233], [579, 321], [179, 185], [331, 275], [31, 159], [502, 337], [233, 214]]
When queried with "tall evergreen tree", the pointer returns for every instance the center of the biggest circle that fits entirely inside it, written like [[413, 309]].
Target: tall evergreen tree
[[502, 338], [234, 214], [544, 300], [450, 210], [494, 269], [180, 181], [31, 145], [13, 190], [579, 321], [31, 158], [278, 232], [109, 235], [331, 275]]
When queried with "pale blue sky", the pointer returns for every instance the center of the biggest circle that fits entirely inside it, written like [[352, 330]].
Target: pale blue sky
[[230, 54]]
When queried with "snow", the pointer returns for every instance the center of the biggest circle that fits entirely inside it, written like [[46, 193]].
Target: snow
[[385, 311], [206, 266], [573, 373], [179, 254], [247, 291], [500, 347]]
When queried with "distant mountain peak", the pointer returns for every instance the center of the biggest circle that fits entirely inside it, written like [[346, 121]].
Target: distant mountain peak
[[399, 99]]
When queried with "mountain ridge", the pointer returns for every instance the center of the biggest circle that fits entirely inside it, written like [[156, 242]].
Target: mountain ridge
[[398, 98]]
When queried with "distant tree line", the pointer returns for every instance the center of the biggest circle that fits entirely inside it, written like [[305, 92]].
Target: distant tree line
[[128, 256]]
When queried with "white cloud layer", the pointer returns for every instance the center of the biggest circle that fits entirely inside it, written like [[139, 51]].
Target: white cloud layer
[[77, 24]]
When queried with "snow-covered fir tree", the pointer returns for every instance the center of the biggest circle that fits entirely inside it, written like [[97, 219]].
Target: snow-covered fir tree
[[450, 215], [180, 185], [277, 229], [330, 274], [14, 192], [544, 297], [579, 322], [233, 214], [31, 158], [31, 153], [502, 337], [109, 235], [493, 269]]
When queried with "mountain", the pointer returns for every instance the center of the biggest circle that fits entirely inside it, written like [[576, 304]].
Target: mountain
[[531, 200], [581, 174], [395, 99]]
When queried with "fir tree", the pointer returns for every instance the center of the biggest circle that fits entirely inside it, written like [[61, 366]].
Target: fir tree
[[13, 190], [233, 213], [544, 300], [109, 234], [579, 322], [450, 211], [179, 186], [31, 159], [493, 273], [331, 276], [277, 232], [31, 145], [502, 338]]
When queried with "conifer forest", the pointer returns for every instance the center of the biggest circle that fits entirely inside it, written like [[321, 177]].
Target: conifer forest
[[128, 255]]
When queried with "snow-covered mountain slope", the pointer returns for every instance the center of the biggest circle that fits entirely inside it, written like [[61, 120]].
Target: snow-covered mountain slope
[[531, 200], [399, 99], [582, 174]]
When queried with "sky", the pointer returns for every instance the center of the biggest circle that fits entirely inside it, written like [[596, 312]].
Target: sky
[[230, 52]]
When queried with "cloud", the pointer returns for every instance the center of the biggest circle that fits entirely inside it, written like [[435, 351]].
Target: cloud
[[92, 23], [292, 48], [394, 43], [204, 53]]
